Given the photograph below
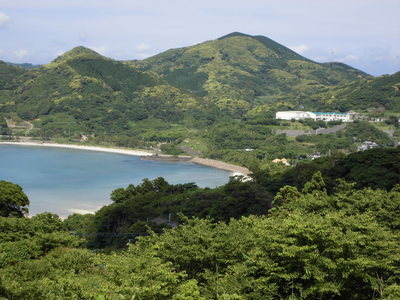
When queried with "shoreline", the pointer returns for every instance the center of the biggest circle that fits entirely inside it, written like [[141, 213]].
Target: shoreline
[[82, 147], [147, 155], [236, 170]]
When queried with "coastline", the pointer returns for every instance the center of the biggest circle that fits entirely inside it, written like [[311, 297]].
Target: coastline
[[82, 147], [147, 155]]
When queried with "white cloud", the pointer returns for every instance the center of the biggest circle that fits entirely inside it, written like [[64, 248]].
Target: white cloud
[[300, 48], [142, 47], [4, 19], [21, 53]]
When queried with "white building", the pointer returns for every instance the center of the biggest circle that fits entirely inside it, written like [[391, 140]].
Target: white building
[[332, 116], [322, 116], [296, 115]]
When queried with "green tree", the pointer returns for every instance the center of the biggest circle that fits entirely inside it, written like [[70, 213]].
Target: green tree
[[285, 194], [13, 201], [315, 185]]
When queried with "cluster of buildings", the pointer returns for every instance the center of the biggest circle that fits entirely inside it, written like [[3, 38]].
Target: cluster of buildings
[[317, 116]]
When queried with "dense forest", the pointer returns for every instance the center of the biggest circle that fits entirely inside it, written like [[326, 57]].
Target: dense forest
[[332, 233]]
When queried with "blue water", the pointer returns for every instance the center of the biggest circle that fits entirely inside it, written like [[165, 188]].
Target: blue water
[[64, 181]]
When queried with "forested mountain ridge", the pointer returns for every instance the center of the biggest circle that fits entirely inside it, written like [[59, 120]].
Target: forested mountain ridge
[[80, 74], [233, 74], [240, 70], [214, 97], [89, 92]]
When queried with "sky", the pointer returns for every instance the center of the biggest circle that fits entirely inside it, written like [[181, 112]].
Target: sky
[[364, 34]]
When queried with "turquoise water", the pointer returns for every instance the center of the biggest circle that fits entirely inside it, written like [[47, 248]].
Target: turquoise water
[[64, 181]]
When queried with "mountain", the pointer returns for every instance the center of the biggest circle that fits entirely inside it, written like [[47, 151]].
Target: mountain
[[243, 70], [80, 75], [95, 93]]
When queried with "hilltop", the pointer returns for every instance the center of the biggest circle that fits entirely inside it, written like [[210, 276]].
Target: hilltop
[[239, 71], [79, 52]]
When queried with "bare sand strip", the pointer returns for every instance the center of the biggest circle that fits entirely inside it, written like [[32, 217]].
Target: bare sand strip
[[222, 165], [81, 147]]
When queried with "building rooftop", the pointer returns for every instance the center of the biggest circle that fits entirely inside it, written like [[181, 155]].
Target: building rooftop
[[329, 113]]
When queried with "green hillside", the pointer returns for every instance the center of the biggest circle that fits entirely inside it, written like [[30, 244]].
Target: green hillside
[[240, 70], [229, 77], [370, 94], [89, 92], [10, 76]]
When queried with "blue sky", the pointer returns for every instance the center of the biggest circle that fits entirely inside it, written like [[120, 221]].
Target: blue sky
[[362, 33]]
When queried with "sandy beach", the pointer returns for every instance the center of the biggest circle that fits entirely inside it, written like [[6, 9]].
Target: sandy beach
[[82, 147], [237, 171]]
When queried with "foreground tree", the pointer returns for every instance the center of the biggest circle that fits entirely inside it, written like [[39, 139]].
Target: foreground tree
[[13, 201]]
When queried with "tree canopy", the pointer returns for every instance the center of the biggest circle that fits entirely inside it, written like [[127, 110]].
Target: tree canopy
[[13, 201], [311, 245]]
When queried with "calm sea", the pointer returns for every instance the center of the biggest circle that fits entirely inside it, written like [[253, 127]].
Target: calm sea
[[64, 181]]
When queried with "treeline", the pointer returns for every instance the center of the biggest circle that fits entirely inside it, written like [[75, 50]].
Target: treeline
[[157, 204], [375, 168]]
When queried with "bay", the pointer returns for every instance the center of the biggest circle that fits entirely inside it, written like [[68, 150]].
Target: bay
[[65, 181]]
